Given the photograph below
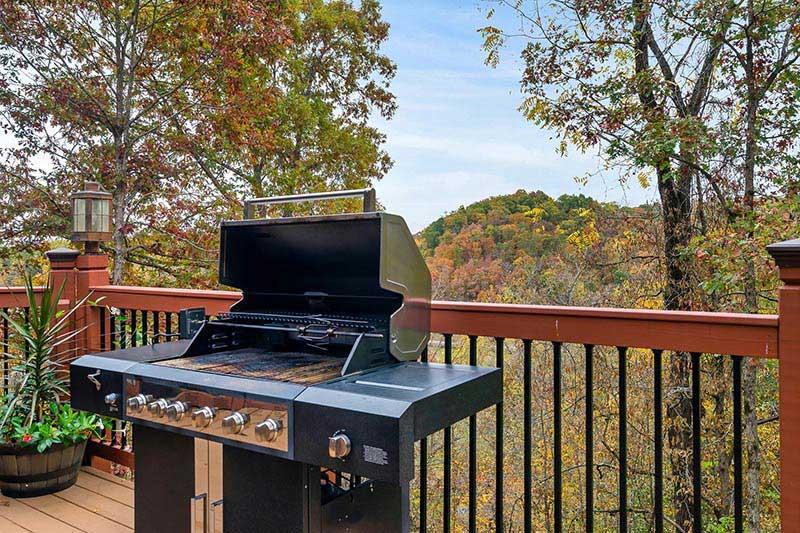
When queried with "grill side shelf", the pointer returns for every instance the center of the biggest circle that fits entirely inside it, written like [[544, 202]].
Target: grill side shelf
[[384, 411]]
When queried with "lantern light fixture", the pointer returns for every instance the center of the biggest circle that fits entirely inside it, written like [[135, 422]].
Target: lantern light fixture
[[91, 216]]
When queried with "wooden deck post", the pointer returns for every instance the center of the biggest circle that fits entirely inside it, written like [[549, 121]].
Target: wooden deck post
[[92, 271], [79, 273], [62, 274], [787, 257]]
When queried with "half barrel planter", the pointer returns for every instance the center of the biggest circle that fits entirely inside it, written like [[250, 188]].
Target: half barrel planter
[[24, 472]]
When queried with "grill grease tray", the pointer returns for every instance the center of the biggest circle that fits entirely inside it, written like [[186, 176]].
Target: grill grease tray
[[293, 367]]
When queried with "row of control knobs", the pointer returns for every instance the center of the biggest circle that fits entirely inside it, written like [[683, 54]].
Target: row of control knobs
[[266, 431]]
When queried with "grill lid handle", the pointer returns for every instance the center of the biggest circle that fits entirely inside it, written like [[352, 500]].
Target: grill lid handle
[[367, 194]]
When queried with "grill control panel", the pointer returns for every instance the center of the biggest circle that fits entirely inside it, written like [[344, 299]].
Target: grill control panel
[[237, 418]]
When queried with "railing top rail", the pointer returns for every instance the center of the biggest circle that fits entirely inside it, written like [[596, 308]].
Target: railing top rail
[[164, 299], [15, 296], [702, 332], [691, 331], [615, 312], [185, 293]]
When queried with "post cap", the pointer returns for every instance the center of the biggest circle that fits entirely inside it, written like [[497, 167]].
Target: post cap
[[62, 255], [786, 254]]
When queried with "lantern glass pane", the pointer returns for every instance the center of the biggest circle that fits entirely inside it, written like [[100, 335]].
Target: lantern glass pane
[[79, 214], [100, 215]]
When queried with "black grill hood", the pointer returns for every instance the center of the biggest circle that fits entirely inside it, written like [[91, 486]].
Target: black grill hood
[[359, 264]]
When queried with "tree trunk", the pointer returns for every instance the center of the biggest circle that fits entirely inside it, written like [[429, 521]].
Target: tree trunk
[[120, 131], [120, 246], [675, 192], [752, 445]]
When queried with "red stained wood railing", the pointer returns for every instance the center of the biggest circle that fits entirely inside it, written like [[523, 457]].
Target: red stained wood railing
[[164, 300], [722, 333], [15, 297]]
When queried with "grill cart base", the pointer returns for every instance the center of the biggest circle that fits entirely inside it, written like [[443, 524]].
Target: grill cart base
[[164, 480], [269, 494]]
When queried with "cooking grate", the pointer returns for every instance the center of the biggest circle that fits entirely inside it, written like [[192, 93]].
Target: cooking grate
[[294, 367]]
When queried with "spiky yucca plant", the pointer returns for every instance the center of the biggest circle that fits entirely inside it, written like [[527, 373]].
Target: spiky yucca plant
[[31, 410]]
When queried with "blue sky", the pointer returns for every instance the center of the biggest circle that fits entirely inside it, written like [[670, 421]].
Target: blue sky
[[457, 136]]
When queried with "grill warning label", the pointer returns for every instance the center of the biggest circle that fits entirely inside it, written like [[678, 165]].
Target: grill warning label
[[375, 455]]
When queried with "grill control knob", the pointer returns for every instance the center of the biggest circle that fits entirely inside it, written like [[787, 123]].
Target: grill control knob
[[203, 417], [339, 446], [176, 411], [158, 408], [111, 399], [268, 430], [235, 422], [139, 402]]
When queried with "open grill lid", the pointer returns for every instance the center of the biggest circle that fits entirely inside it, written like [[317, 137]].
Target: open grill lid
[[364, 265]]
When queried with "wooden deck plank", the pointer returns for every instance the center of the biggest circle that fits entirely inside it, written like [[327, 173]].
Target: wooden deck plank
[[108, 477], [77, 517], [7, 526], [98, 504], [32, 519], [99, 485]]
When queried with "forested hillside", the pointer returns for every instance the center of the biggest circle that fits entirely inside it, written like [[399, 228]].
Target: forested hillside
[[527, 247]]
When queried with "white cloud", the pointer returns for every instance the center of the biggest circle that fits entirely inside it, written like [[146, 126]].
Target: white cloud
[[497, 152]]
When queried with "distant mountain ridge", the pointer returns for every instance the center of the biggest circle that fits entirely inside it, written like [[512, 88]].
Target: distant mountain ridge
[[528, 247]]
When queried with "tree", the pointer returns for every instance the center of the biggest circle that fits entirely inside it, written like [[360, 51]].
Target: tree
[[757, 137], [88, 90], [299, 120], [640, 82]]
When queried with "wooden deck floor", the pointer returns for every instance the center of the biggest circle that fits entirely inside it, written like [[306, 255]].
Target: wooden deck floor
[[97, 503]]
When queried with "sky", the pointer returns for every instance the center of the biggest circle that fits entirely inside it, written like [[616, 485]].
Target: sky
[[457, 136]]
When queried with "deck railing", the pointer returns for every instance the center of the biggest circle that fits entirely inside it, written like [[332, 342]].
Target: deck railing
[[576, 363], [14, 303]]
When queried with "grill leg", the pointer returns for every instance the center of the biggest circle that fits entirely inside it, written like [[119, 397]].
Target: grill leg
[[267, 494], [164, 480]]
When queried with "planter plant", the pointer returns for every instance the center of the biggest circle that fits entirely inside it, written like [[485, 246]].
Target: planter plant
[[42, 439]]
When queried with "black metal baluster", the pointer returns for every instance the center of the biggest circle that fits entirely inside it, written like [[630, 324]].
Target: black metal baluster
[[423, 472], [124, 327], [156, 327], [658, 438], [144, 328], [589, 434], [112, 333], [473, 448], [122, 321], [123, 440], [133, 328], [102, 328], [738, 519], [498, 450], [623, 439], [448, 448], [168, 326], [697, 518], [528, 437], [557, 480]]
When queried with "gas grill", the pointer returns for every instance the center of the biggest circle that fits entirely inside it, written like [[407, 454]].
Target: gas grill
[[311, 378]]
